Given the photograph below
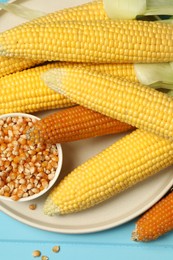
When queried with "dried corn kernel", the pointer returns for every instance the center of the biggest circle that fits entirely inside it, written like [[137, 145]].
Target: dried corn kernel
[[32, 206], [56, 249], [44, 257], [19, 175], [36, 253]]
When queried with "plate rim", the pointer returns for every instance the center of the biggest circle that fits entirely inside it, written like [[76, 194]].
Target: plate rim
[[154, 200], [91, 229]]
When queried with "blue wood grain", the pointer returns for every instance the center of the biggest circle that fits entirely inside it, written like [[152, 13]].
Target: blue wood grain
[[17, 241], [23, 250]]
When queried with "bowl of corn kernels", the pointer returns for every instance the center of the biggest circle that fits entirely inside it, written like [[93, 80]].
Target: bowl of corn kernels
[[27, 169]]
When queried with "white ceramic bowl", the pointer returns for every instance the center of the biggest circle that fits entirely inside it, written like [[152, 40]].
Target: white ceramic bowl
[[58, 170]]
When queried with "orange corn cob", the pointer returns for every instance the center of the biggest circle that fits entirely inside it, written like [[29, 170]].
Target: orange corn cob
[[155, 222], [75, 123]]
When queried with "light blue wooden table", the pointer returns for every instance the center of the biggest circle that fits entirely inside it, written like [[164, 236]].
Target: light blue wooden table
[[17, 242]]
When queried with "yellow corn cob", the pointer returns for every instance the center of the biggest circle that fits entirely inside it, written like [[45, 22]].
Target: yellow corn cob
[[104, 41], [24, 91], [127, 101], [10, 65], [156, 221], [90, 11], [73, 124], [110, 172]]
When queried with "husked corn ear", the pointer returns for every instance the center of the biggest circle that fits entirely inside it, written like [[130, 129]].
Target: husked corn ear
[[73, 124], [90, 11], [128, 161], [127, 101], [156, 222], [104, 41], [24, 91], [10, 65]]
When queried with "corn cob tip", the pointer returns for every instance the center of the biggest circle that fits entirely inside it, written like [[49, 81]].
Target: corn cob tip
[[134, 236], [33, 135], [53, 79], [50, 209]]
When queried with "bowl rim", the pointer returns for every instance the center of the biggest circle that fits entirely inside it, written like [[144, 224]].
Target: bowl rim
[[57, 172]]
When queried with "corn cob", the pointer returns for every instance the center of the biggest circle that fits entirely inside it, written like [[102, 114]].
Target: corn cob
[[90, 11], [127, 101], [104, 41], [110, 172], [74, 124], [24, 91], [10, 65], [156, 221]]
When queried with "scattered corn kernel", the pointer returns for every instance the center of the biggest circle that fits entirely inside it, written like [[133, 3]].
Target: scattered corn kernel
[[44, 257], [56, 249], [36, 253], [32, 206]]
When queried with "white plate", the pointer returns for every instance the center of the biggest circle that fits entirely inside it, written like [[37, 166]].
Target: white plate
[[112, 213]]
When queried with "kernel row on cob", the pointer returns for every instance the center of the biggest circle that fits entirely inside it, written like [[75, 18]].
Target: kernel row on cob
[[127, 101], [156, 222], [122, 70], [73, 124], [110, 172], [102, 41], [93, 10], [10, 65]]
